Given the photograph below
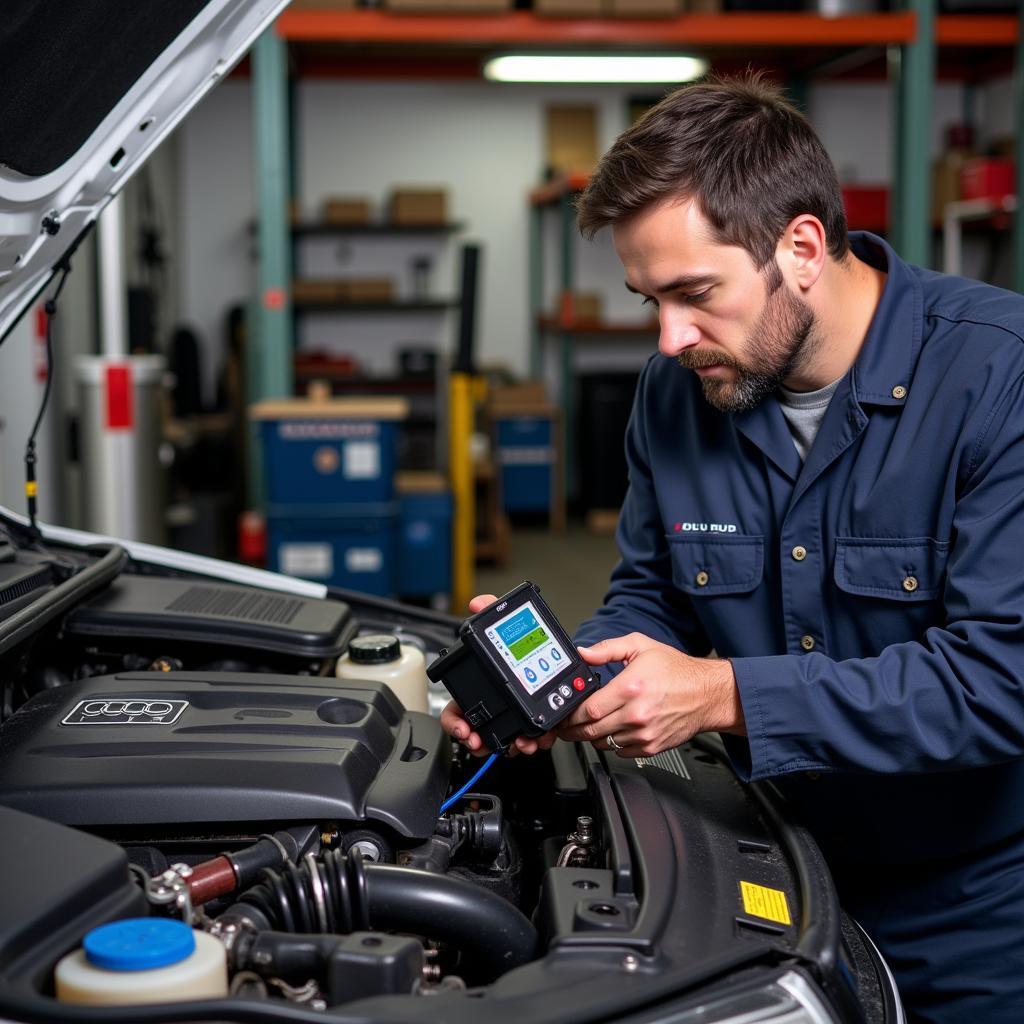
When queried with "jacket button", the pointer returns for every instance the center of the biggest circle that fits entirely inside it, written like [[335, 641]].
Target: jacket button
[[702, 578], [910, 584], [799, 553], [899, 391], [807, 643]]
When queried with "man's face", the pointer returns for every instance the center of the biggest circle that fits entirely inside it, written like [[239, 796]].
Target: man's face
[[742, 331]]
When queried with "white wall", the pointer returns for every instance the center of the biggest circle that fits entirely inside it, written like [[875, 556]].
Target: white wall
[[484, 142], [216, 207]]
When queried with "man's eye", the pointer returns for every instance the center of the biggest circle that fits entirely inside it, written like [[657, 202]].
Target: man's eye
[[699, 297], [650, 301]]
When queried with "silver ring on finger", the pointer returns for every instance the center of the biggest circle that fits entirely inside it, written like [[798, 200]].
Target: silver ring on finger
[[612, 745]]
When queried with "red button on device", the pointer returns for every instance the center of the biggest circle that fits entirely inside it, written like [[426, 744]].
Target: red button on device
[[578, 683]]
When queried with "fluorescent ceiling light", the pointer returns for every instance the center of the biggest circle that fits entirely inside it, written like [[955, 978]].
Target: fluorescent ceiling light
[[594, 68]]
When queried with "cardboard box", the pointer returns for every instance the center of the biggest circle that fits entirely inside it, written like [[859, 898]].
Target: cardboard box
[[323, 5], [580, 307], [450, 6], [530, 395], [644, 8], [418, 206], [366, 289], [354, 289], [569, 8], [313, 291], [341, 210], [571, 138]]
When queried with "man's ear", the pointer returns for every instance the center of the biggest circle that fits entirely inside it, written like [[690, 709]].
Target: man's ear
[[802, 251]]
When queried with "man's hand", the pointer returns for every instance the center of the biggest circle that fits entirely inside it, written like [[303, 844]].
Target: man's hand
[[456, 726], [659, 700]]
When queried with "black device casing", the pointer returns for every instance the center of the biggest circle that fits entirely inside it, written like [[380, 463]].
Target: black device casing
[[495, 706]]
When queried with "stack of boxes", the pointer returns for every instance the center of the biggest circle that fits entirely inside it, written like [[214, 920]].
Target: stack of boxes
[[332, 512]]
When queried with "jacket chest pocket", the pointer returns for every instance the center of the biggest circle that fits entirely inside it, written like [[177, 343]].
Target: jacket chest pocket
[[899, 569], [703, 567]]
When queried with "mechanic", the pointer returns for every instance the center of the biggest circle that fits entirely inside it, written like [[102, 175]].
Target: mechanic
[[826, 490]]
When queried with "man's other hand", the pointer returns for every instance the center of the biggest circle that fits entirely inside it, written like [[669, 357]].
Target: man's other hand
[[659, 700], [458, 728]]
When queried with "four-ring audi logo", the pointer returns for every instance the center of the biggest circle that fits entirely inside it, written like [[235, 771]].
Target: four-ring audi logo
[[125, 711]]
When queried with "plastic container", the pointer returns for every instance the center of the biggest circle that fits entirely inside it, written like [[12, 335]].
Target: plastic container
[[383, 658], [424, 544], [350, 546], [143, 960], [526, 453]]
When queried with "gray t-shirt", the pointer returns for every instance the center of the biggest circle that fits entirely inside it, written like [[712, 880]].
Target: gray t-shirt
[[804, 411]]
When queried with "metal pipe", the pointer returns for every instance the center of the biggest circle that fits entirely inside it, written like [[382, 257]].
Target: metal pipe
[[910, 210], [113, 301]]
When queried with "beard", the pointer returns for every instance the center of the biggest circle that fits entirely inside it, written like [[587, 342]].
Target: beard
[[782, 339]]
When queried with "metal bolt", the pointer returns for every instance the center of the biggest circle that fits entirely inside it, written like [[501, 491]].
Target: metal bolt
[[630, 963]]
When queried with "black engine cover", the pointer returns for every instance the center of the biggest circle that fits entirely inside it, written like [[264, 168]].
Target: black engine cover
[[175, 748]]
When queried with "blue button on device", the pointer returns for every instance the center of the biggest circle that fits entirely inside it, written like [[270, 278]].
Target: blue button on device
[[139, 943]]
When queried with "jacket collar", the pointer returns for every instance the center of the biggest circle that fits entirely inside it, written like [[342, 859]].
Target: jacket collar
[[893, 342], [886, 361]]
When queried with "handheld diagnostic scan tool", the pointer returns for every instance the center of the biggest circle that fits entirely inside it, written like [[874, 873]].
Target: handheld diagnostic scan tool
[[514, 671]]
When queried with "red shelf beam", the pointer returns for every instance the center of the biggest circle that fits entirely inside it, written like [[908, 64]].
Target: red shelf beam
[[524, 28]]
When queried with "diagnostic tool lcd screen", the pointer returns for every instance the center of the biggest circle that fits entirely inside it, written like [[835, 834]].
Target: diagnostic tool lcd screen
[[527, 647]]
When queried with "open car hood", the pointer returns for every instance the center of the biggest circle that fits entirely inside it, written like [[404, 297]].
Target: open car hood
[[87, 92]]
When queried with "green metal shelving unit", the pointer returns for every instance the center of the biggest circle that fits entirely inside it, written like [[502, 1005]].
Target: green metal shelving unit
[[913, 72]]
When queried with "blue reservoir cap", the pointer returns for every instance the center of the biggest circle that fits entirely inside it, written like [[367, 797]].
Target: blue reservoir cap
[[139, 943]]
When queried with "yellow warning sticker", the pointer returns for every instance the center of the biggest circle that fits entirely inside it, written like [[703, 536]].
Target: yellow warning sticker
[[759, 901]]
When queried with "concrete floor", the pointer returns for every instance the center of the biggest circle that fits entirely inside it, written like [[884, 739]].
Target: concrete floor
[[571, 569]]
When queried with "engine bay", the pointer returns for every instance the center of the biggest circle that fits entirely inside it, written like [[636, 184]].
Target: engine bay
[[178, 750]]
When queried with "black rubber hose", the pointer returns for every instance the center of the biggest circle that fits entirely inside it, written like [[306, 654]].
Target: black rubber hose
[[487, 928], [339, 893]]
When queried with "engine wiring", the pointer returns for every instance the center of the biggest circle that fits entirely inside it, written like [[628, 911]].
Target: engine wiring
[[31, 486], [455, 797]]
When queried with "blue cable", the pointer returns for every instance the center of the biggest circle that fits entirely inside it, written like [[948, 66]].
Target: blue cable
[[472, 782]]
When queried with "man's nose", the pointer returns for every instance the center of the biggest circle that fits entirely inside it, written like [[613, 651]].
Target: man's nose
[[678, 332]]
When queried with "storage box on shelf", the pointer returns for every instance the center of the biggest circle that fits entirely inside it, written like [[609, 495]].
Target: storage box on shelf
[[526, 432], [350, 545], [411, 206], [424, 536], [329, 467]]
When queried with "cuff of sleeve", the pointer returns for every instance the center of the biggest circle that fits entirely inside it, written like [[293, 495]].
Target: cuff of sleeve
[[777, 726]]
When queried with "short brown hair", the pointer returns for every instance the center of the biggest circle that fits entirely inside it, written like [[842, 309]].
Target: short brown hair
[[749, 158]]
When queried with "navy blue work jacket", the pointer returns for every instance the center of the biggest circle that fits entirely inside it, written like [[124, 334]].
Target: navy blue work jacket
[[871, 599]]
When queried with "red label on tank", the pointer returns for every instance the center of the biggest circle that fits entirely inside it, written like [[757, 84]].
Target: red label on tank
[[120, 412]]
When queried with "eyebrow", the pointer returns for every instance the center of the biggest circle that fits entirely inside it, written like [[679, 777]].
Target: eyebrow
[[687, 281]]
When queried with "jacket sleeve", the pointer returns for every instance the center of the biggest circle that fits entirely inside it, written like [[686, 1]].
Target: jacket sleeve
[[954, 699], [642, 597]]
